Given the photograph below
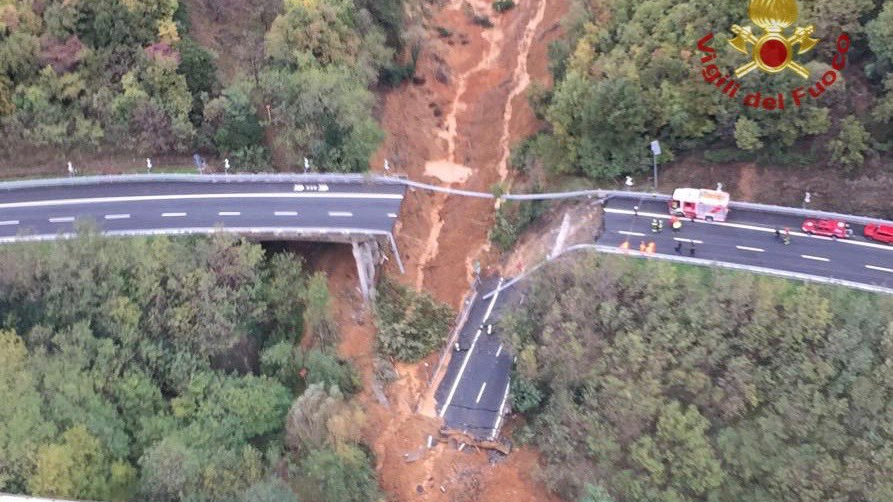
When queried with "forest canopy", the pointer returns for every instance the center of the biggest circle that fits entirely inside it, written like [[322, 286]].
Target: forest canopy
[[170, 370], [629, 72], [652, 382], [110, 75]]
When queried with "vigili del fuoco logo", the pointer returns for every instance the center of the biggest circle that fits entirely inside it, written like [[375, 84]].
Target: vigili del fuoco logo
[[772, 51]]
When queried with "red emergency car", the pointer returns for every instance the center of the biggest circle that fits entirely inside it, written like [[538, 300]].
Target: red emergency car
[[879, 232], [835, 229]]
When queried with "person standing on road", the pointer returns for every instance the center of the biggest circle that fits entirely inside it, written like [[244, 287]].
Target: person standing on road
[[678, 247], [675, 223], [691, 250]]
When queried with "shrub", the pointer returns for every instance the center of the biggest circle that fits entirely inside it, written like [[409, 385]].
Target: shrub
[[503, 5], [410, 324]]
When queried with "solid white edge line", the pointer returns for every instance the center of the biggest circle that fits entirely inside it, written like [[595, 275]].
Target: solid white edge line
[[340, 214], [449, 399], [8, 222], [172, 215], [748, 248], [480, 393], [62, 219], [814, 258], [285, 213], [634, 234], [770, 230], [501, 412], [144, 198], [879, 269], [117, 216], [229, 213]]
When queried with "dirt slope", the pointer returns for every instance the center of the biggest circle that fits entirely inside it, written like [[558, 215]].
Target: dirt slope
[[456, 129]]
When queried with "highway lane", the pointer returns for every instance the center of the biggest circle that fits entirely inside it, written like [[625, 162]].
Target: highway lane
[[475, 388], [161, 206], [755, 245]]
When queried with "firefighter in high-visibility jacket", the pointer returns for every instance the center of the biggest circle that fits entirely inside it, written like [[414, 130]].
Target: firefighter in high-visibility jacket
[[675, 223], [656, 225]]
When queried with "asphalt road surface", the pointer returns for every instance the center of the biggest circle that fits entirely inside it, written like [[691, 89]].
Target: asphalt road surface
[[475, 389], [748, 238], [176, 205]]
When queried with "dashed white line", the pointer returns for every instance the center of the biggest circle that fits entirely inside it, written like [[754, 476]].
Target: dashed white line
[[814, 258], [229, 213], [748, 248], [634, 234], [197, 196], [8, 222], [879, 269], [340, 214], [499, 350], [691, 241], [481, 392], [172, 215], [392, 215], [449, 399], [285, 213], [117, 216], [62, 219]]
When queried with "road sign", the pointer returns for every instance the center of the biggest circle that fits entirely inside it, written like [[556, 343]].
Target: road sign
[[655, 147]]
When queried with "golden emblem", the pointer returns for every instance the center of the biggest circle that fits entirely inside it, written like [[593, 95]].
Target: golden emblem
[[773, 52]]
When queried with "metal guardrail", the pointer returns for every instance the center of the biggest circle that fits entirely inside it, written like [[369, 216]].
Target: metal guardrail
[[202, 178], [733, 266], [394, 180]]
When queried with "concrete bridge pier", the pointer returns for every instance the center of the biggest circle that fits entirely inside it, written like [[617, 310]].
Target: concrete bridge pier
[[367, 255]]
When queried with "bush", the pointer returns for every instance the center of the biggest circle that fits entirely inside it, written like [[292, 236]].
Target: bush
[[410, 324], [503, 5]]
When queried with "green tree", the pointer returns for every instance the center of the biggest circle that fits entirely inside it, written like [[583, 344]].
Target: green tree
[[325, 114], [22, 425], [344, 476], [880, 37], [233, 121], [77, 468], [271, 490], [410, 324], [848, 149], [747, 134]]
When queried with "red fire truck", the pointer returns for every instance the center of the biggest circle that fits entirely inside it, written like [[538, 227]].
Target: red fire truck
[[701, 203]]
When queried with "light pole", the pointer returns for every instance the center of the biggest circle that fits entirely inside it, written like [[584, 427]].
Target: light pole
[[655, 151]]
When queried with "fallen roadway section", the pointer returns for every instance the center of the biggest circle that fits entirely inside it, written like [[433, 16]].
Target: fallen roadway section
[[473, 396]]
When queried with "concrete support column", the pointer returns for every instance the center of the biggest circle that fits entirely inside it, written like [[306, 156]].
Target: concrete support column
[[364, 253]]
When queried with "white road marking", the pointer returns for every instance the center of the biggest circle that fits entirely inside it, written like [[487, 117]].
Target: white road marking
[[392, 215], [747, 248], [499, 350], [499, 415], [768, 230], [198, 196], [814, 258], [117, 216], [480, 393], [229, 213], [690, 241], [286, 213], [62, 219], [634, 234], [474, 342], [8, 222], [172, 215], [880, 269], [340, 214]]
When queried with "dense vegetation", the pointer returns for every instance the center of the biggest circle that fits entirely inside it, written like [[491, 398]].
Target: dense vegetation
[[629, 72], [168, 370], [410, 324], [127, 74], [650, 382]]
